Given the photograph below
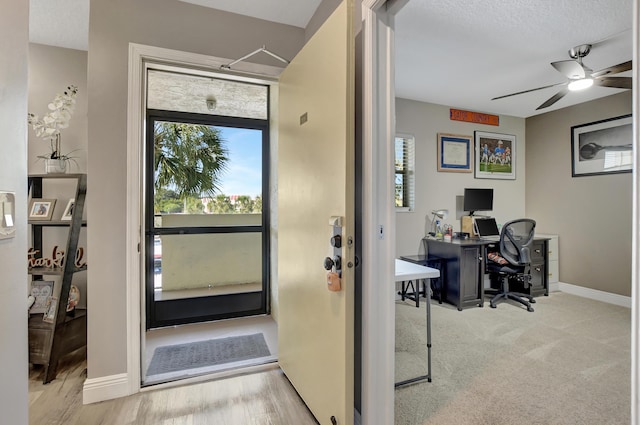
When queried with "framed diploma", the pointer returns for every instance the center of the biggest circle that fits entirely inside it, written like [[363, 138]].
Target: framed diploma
[[455, 153]]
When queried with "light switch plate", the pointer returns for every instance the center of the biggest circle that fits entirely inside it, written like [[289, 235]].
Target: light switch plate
[[7, 215]]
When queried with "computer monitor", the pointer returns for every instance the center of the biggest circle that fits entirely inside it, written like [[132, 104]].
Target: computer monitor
[[477, 200]]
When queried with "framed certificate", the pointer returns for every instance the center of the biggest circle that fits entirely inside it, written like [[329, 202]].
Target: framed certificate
[[454, 153]]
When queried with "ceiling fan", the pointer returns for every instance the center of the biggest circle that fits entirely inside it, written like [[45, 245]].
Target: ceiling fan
[[579, 76]]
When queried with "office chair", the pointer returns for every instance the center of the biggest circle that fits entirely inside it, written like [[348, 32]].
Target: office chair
[[512, 263]]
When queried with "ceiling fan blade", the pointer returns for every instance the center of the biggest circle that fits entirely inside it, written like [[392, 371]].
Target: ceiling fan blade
[[553, 99], [527, 91], [621, 67], [572, 69], [614, 82]]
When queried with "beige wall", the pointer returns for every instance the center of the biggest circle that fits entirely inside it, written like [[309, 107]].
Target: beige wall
[[592, 214], [14, 36], [51, 71], [437, 190], [113, 25]]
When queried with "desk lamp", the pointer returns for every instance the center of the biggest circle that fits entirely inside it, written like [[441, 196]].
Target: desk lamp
[[442, 215]]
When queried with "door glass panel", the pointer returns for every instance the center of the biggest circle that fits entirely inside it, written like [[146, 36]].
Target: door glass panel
[[207, 224], [221, 184], [202, 265]]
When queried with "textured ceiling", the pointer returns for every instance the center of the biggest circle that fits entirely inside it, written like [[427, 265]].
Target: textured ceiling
[[290, 12], [62, 23], [463, 53], [191, 93], [450, 52]]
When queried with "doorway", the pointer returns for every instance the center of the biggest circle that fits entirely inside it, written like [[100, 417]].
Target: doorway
[[206, 223]]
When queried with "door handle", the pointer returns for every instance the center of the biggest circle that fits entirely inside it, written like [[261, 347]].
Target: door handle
[[330, 263]]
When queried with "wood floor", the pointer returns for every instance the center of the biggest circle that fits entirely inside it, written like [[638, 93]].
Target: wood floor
[[263, 398]]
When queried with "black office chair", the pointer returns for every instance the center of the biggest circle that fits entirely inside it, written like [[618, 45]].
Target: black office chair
[[512, 263]]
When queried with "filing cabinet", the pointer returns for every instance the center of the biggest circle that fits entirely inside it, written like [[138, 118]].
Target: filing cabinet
[[553, 269], [540, 264]]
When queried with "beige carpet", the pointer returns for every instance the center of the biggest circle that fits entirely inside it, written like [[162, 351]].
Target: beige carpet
[[569, 362]]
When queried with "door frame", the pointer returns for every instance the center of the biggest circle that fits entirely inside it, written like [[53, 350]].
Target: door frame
[[378, 211], [635, 243], [140, 55]]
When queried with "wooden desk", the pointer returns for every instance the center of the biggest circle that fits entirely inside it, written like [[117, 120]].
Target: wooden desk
[[406, 271], [465, 268]]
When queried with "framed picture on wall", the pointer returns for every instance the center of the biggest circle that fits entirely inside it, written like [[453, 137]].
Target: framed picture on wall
[[602, 147], [455, 153], [495, 156]]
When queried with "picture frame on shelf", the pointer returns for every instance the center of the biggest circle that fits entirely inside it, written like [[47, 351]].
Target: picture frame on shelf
[[455, 153], [74, 298], [67, 215], [602, 147], [41, 209], [50, 312], [41, 290], [495, 156]]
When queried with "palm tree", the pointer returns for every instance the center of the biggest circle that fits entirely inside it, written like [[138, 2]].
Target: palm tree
[[189, 159]]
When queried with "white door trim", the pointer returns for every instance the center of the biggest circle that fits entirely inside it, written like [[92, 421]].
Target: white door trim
[[635, 260], [378, 214]]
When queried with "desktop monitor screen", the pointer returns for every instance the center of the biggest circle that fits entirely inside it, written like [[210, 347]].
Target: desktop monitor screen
[[477, 200]]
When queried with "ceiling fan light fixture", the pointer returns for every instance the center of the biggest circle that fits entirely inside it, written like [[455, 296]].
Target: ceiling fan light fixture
[[580, 84]]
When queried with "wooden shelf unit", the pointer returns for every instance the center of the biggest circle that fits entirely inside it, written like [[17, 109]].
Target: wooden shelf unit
[[48, 342]]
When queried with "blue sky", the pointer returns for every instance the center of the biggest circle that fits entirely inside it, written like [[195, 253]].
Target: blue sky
[[244, 168]]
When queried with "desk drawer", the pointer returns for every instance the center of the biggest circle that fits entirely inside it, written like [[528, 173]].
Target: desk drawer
[[536, 285], [537, 251], [537, 279]]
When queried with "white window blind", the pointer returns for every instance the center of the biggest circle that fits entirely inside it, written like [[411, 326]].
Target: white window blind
[[404, 173]]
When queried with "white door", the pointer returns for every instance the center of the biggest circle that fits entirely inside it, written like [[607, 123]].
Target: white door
[[316, 183]]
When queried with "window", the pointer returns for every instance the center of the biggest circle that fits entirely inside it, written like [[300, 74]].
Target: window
[[405, 173]]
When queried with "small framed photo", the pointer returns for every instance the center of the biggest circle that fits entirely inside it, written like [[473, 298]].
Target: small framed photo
[[68, 211], [455, 153], [495, 156], [602, 147], [41, 290], [50, 312], [41, 209]]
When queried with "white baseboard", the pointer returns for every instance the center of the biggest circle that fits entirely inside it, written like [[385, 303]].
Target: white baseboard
[[594, 294], [105, 388]]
